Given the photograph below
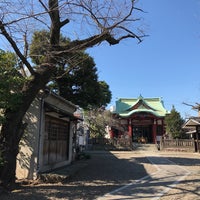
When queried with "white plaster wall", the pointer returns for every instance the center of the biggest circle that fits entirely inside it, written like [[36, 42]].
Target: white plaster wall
[[28, 152]]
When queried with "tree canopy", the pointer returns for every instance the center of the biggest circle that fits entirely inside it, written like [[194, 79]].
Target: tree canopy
[[97, 120], [82, 87], [174, 124], [11, 82], [76, 78]]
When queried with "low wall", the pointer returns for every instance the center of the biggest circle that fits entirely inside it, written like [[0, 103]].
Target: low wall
[[187, 145], [110, 144]]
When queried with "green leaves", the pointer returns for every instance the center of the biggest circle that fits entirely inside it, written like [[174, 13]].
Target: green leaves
[[81, 85], [39, 46], [174, 124], [11, 82], [97, 120], [76, 77]]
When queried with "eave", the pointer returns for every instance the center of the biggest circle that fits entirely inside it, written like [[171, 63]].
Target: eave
[[193, 122], [128, 114]]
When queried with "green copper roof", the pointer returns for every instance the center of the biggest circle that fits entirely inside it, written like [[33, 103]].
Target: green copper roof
[[125, 107]]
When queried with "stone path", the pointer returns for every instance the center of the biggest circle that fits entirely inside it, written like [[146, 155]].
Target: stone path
[[153, 186]]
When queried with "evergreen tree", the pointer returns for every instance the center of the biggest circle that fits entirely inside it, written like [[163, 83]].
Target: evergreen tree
[[174, 124], [11, 82], [76, 77], [81, 85]]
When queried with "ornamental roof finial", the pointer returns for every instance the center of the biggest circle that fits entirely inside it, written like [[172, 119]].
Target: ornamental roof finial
[[140, 97]]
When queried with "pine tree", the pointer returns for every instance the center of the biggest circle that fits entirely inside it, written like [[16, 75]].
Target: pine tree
[[76, 78], [174, 124]]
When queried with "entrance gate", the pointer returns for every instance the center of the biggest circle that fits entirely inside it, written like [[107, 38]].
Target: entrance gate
[[140, 131]]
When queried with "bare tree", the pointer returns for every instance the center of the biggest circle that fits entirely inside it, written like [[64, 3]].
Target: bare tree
[[86, 22]]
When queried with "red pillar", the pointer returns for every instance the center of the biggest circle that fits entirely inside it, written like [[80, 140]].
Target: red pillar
[[130, 128]]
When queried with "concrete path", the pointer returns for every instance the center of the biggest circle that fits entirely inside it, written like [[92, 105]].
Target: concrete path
[[152, 186]]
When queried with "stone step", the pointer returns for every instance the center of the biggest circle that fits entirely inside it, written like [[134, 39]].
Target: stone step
[[145, 147]]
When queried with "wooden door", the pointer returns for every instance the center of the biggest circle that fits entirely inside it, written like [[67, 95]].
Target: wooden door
[[56, 141]]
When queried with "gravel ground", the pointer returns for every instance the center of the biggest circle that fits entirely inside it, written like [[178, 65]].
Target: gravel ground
[[189, 188], [105, 172]]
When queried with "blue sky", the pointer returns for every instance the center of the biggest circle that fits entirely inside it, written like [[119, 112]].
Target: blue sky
[[166, 64]]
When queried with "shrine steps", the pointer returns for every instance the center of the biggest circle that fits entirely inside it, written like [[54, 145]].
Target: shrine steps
[[145, 147]]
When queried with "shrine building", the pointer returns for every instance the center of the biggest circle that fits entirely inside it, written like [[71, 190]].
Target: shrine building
[[141, 118]]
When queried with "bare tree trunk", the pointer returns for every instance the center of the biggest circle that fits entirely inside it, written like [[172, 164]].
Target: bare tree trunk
[[11, 134], [13, 129]]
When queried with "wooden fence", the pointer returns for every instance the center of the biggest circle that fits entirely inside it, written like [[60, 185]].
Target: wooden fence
[[188, 145], [110, 144]]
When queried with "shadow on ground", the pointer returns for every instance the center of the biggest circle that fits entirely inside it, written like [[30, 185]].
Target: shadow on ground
[[103, 173]]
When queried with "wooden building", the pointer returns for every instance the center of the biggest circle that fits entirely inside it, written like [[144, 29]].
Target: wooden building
[[50, 137], [141, 118], [192, 126]]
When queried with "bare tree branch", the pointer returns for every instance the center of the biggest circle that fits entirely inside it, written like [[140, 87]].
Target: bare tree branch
[[24, 17], [55, 20], [64, 22], [78, 45], [187, 104], [92, 15], [44, 6], [16, 49], [195, 107], [131, 34], [124, 18]]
